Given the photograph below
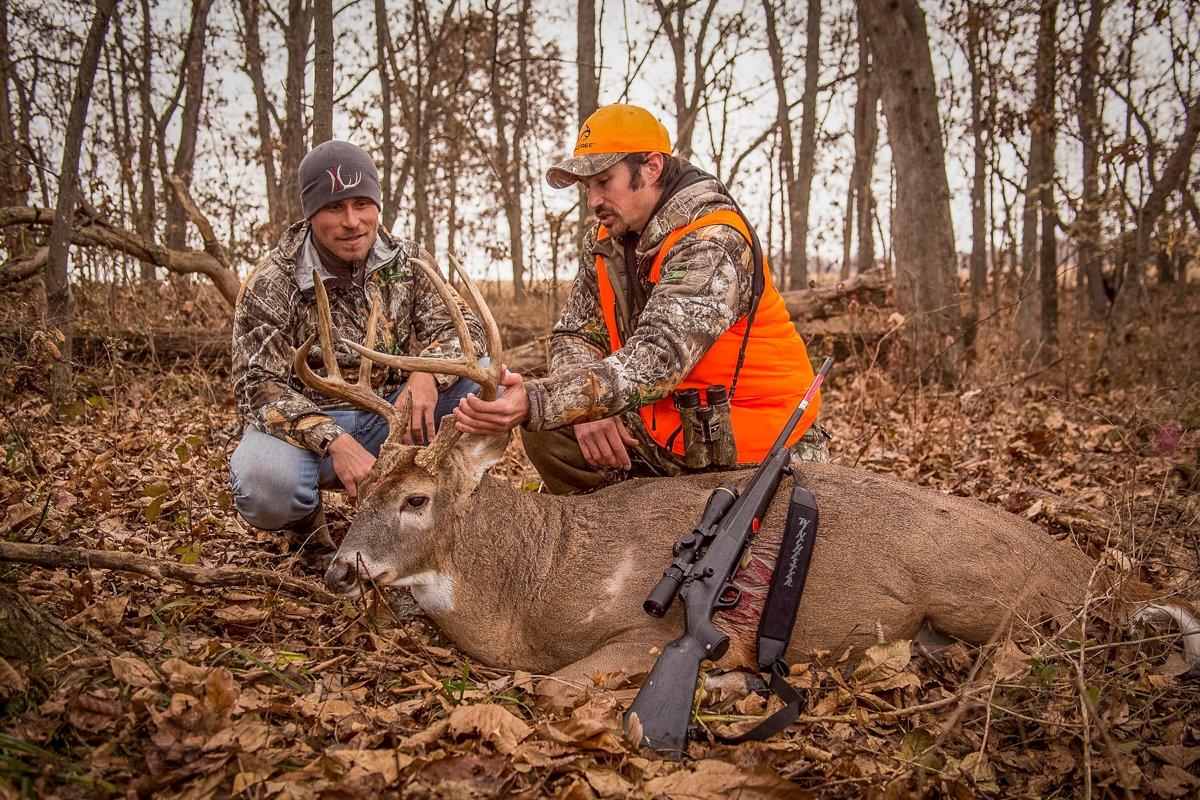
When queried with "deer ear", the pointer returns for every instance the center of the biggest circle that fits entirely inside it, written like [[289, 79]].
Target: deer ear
[[477, 454]]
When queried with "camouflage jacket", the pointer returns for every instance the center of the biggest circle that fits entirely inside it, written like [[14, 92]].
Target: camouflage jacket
[[704, 289], [276, 311]]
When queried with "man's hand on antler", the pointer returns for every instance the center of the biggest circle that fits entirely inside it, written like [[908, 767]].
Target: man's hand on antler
[[475, 415], [351, 462], [422, 388]]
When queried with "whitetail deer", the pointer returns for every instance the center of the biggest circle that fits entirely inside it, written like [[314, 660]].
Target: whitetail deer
[[553, 584]]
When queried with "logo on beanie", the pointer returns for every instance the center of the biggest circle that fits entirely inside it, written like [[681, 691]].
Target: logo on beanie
[[338, 184]]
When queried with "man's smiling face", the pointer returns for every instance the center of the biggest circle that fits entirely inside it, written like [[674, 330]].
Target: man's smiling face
[[347, 228]]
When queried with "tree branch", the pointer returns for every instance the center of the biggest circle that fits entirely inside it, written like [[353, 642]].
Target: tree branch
[[48, 555], [91, 232]]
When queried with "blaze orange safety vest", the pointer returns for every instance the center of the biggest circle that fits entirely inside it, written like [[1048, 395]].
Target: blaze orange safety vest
[[774, 376]]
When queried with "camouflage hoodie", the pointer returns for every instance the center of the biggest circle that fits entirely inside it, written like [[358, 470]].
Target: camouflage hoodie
[[276, 311], [704, 289]]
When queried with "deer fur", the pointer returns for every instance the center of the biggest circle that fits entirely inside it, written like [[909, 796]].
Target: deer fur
[[553, 584]]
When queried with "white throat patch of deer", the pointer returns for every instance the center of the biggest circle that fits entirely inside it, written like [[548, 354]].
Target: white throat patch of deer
[[553, 584]]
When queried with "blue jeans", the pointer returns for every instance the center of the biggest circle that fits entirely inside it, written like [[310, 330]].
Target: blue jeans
[[276, 484]]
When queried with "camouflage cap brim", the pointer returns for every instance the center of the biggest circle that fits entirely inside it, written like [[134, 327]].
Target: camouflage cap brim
[[560, 176]]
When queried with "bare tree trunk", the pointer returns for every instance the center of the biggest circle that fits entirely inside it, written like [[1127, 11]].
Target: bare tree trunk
[[1040, 172], [783, 121], [922, 232], [860, 201], [382, 65], [296, 39], [687, 103], [588, 77], [978, 270], [806, 160], [277, 211], [322, 71], [1137, 250], [508, 150], [61, 314], [14, 177], [1087, 222], [189, 123]]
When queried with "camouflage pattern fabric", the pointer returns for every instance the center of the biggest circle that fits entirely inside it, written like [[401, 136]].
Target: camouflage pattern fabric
[[276, 311], [704, 289]]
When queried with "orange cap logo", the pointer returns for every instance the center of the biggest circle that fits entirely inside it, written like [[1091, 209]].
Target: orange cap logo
[[622, 128]]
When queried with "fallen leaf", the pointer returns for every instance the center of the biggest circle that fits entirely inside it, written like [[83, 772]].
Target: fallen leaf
[[490, 722], [133, 671], [719, 780]]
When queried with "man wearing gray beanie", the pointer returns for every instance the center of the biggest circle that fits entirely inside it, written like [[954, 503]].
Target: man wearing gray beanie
[[297, 441]]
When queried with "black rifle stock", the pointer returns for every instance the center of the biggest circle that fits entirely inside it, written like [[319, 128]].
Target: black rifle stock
[[664, 704]]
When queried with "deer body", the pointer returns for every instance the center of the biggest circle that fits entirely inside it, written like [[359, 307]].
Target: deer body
[[555, 584]]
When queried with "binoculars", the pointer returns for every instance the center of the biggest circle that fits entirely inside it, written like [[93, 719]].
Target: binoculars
[[707, 430]]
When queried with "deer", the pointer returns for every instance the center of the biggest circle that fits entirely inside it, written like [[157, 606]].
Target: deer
[[553, 585]]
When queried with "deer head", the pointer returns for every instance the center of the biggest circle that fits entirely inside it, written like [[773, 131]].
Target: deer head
[[413, 495]]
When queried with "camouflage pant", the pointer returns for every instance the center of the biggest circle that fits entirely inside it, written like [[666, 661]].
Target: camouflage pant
[[557, 457]]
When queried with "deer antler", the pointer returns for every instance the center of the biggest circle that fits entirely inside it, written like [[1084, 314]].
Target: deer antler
[[467, 364], [358, 394]]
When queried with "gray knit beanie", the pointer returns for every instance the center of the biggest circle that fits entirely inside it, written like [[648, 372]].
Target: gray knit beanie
[[336, 170]]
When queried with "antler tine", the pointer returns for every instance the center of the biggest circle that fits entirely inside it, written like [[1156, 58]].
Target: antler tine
[[467, 364], [365, 365], [486, 318], [334, 385]]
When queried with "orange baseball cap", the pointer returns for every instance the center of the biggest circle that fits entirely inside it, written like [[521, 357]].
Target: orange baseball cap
[[607, 136]]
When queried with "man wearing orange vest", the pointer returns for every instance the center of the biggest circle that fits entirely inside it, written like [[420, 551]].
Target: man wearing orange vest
[[669, 297]]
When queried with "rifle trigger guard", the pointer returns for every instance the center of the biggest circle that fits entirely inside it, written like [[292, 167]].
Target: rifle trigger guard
[[730, 596]]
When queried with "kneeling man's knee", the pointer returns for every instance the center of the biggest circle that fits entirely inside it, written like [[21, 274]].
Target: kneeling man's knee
[[271, 493]]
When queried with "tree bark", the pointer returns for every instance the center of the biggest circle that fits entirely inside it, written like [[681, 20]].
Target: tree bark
[[588, 81], [382, 67], [90, 232], [30, 633], [14, 177], [60, 311], [322, 71], [189, 123], [806, 160], [860, 200], [508, 144], [978, 270], [55, 556], [1136, 250], [296, 39], [687, 102], [787, 150], [922, 232], [277, 211], [1087, 222], [1031, 325]]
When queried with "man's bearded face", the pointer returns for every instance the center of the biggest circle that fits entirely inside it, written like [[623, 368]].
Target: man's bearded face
[[347, 228], [617, 205]]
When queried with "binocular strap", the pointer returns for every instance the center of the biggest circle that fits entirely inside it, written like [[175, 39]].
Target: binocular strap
[[779, 613]]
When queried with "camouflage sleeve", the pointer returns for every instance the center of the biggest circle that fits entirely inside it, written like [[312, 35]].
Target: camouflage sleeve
[[703, 291], [433, 326], [580, 336], [262, 369]]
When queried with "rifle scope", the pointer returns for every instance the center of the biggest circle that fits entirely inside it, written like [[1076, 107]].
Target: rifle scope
[[687, 549]]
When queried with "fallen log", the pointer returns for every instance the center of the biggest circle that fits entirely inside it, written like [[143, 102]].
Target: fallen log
[[161, 346], [49, 555], [822, 302]]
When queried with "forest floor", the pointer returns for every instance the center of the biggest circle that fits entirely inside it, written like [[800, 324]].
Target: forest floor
[[178, 691]]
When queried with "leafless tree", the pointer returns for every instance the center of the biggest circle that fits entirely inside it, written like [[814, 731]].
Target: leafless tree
[[922, 233], [60, 313]]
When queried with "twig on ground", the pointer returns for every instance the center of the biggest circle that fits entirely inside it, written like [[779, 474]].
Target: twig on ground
[[48, 555]]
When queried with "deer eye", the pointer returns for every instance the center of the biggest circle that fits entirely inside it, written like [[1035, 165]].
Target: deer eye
[[416, 501]]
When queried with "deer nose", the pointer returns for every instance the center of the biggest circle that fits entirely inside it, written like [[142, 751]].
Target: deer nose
[[340, 576]]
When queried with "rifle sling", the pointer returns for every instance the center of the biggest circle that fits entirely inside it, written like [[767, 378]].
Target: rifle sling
[[779, 613]]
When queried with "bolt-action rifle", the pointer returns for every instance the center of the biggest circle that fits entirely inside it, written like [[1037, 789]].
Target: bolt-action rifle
[[702, 572]]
